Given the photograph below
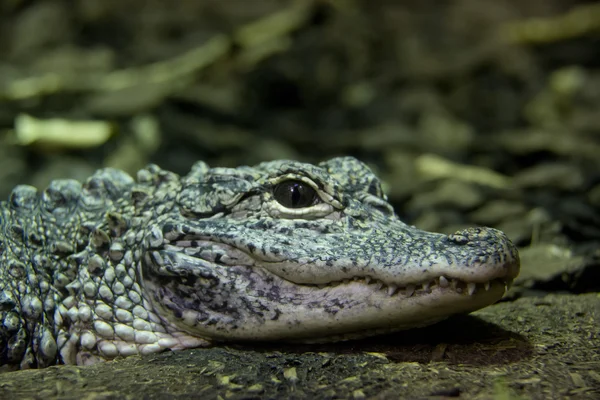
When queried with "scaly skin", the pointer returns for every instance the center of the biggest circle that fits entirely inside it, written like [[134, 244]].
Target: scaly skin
[[281, 251]]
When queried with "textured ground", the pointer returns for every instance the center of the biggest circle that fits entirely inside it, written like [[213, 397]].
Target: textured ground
[[538, 348]]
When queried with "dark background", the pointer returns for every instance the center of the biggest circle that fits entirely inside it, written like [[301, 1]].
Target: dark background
[[508, 92]]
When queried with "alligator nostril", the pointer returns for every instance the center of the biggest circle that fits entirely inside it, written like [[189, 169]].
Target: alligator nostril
[[478, 234], [458, 238]]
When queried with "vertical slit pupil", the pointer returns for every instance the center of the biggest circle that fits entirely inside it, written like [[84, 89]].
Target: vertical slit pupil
[[294, 194]]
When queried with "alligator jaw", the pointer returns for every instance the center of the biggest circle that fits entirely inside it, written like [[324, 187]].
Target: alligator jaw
[[230, 301]]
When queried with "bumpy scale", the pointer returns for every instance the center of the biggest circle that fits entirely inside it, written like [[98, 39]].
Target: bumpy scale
[[281, 251]]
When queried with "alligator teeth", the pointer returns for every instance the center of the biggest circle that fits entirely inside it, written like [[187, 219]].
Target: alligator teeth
[[471, 288], [392, 289], [443, 282]]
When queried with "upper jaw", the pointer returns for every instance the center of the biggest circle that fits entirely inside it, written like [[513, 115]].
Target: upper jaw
[[474, 256]]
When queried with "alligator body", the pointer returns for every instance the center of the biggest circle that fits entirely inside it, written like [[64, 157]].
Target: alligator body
[[281, 251]]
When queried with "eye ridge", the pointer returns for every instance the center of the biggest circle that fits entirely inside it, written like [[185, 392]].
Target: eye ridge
[[295, 194]]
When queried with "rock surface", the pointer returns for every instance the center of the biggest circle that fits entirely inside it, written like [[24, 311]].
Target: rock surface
[[537, 348]]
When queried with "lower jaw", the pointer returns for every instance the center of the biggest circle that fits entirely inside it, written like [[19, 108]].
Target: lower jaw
[[352, 312]]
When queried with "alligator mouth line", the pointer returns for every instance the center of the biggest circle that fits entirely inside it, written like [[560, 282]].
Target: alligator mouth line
[[427, 287], [409, 290]]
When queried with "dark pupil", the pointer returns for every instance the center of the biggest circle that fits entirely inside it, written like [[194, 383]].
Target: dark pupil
[[294, 194]]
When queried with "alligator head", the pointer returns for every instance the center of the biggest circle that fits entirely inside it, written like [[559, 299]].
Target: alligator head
[[293, 251]]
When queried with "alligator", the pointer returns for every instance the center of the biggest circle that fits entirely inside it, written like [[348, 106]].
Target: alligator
[[284, 250]]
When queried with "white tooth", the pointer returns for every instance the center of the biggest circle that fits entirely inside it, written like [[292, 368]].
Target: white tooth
[[378, 285], [486, 286], [426, 286], [410, 289], [508, 285], [392, 289], [454, 283], [443, 282], [368, 279], [471, 286]]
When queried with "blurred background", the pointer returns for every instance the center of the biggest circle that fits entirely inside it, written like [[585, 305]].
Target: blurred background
[[473, 112]]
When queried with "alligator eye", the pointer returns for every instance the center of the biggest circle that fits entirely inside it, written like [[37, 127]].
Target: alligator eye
[[294, 194]]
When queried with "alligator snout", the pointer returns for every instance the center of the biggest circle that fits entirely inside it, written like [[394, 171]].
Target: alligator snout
[[491, 243]]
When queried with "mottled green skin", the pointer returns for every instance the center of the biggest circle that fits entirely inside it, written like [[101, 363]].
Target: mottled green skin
[[119, 267]]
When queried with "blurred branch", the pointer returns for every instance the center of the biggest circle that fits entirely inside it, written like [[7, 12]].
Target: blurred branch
[[255, 41], [577, 22]]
